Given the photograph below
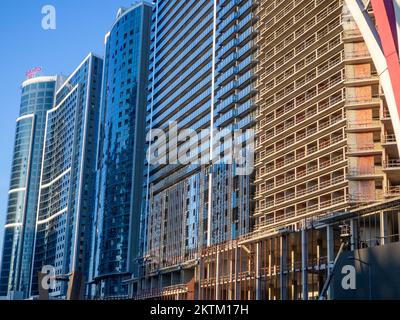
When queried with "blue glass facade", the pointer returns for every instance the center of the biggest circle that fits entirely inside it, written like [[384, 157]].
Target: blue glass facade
[[120, 156], [201, 77], [37, 99], [66, 199]]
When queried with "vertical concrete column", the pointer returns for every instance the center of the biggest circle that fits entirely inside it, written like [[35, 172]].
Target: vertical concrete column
[[182, 276], [330, 243], [154, 284], [354, 234], [383, 229], [200, 276], [398, 221], [237, 269], [304, 260], [231, 261], [258, 277], [217, 293], [161, 281], [283, 264]]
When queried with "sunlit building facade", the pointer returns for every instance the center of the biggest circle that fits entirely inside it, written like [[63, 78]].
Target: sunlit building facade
[[326, 156]]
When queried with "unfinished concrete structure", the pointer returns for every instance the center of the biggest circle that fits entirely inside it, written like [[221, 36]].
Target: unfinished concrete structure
[[327, 165]]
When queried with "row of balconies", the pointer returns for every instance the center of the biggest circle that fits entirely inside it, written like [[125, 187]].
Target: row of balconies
[[391, 164], [354, 173], [352, 199], [300, 176], [290, 126], [362, 101], [297, 60], [293, 48], [308, 192], [354, 126], [290, 161], [319, 142], [300, 138], [264, 12], [288, 26], [326, 67], [298, 212], [305, 97], [282, 113], [294, 55], [354, 55]]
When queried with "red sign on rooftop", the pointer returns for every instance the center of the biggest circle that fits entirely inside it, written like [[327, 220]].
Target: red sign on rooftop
[[33, 72]]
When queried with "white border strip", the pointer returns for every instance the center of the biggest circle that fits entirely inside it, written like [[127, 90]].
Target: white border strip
[[27, 116], [59, 213], [63, 100], [210, 175], [17, 190], [56, 179], [13, 225]]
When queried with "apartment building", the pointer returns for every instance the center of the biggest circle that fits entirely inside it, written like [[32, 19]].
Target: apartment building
[[201, 58], [116, 225], [37, 97], [67, 183]]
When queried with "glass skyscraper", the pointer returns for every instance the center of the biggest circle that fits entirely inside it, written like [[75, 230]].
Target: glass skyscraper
[[67, 182], [201, 78], [120, 156], [37, 99]]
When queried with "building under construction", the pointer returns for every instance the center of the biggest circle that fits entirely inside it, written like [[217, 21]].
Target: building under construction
[[327, 169]]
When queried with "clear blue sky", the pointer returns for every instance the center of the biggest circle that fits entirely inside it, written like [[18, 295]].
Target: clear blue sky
[[81, 26]]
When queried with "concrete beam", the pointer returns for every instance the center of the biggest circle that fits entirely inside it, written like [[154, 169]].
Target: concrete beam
[[304, 263]]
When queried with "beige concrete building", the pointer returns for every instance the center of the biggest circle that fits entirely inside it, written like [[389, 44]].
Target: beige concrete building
[[326, 160]]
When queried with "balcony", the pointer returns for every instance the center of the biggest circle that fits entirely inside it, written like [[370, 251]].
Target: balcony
[[301, 139], [301, 195], [393, 164], [392, 169], [362, 80], [302, 176], [357, 56], [322, 208], [386, 118], [392, 191], [389, 143], [352, 35], [363, 125], [311, 153], [364, 149], [389, 139], [362, 102], [364, 199], [355, 173]]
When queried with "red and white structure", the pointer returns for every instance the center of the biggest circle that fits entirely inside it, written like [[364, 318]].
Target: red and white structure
[[382, 40]]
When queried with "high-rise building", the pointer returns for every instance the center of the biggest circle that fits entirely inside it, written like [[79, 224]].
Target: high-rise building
[[201, 79], [327, 168], [37, 98], [120, 156], [67, 182]]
